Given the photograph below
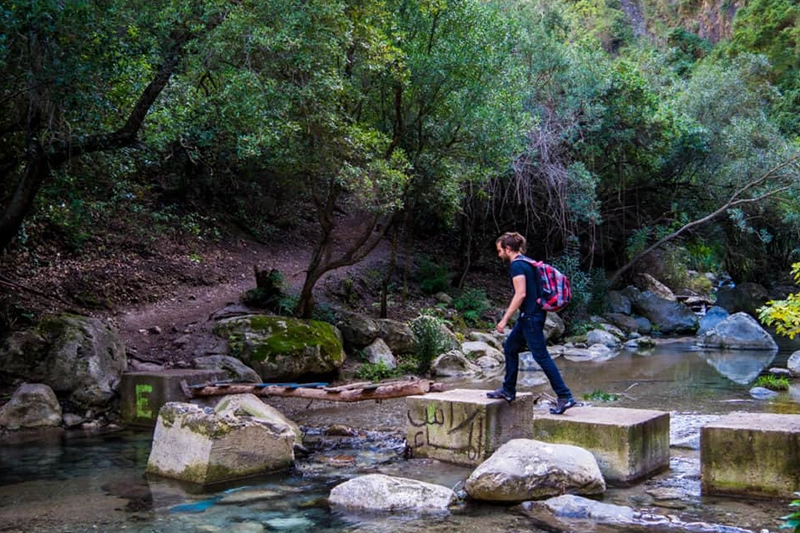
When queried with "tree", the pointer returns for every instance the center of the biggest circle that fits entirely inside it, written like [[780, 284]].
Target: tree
[[81, 79]]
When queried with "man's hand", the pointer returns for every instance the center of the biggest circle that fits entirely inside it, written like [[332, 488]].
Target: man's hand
[[501, 326]]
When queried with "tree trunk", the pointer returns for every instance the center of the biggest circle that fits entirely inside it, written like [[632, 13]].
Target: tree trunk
[[389, 272]]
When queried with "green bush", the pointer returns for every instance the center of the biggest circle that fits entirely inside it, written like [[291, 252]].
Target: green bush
[[601, 396], [772, 382], [432, 340], [472, 303], [375, 371], [433, 277]]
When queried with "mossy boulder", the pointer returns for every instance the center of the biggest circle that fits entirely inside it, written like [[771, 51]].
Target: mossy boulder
[[282, 347]]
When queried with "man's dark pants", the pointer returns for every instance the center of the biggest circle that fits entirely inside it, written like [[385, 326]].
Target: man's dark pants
[[530, 331]]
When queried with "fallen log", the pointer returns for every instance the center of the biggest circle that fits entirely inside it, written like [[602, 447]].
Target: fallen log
[[369, 391]]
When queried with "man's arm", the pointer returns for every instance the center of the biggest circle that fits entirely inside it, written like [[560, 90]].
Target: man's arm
[[516, 302]]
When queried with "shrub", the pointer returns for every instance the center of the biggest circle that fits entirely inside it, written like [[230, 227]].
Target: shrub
[[472, 303], [784, 315], [375, 371], [432, 340], [773, 382], [601, 396], [433, 277]]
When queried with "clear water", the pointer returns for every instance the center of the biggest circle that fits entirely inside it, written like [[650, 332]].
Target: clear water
[[89, 483]]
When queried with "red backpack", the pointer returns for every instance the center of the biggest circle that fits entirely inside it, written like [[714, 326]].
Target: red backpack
[[555, 289]]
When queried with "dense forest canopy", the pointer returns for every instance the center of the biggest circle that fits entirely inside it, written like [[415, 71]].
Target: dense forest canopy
[[596, 127]]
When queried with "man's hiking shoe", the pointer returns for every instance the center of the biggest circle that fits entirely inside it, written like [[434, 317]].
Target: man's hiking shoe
[[562, 405], [500, 394]]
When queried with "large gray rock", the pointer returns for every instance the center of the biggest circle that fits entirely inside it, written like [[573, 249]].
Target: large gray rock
[[397, 335], [204, 446], [236, 370], [492, 339], [601, 336], [525, 469], [647, 283], [79, 357], [745, 297], [554, 327], [476, 349], [379, 352], [626, 323], [618, 303], [282, 347], [738, 332], [454, 363], [357, 330], [666, 315], [378, 492], [33, 405], [793, 364], [713, 316]]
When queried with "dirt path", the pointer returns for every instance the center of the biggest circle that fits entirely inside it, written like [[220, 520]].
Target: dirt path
[[176, 329]]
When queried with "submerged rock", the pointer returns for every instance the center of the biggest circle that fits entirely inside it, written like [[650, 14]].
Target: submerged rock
[[575, 513], [378, 492]]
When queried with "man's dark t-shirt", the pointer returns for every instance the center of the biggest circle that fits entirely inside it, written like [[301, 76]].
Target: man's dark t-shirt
[[529, 308]]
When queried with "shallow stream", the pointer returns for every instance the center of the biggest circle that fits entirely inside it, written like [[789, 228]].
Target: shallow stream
[[82, 483]]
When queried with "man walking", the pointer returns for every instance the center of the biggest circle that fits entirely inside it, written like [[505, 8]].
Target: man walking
[[529, 328]]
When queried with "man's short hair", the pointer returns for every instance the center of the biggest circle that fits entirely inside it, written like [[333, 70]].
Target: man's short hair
[[512, 240]]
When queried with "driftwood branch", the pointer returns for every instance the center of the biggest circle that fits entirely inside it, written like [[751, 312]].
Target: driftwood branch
[[348, 393], [732, 202]]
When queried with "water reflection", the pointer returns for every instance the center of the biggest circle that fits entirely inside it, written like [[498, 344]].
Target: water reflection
[[741, 366]]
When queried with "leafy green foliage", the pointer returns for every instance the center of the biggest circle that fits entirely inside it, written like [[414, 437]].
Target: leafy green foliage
[[793, 519], [771, 382], [472, 303], [601, 396], [375, 371], [433, 277], [784, 315], [432, 340]]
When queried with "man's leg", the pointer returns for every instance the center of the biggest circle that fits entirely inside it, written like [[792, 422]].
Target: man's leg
[[513, 345], [538, 346]]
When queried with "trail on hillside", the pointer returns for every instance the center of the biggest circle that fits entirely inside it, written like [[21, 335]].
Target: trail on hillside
[[176, 329]]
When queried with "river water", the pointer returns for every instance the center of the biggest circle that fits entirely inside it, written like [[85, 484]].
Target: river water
[[87, 483]]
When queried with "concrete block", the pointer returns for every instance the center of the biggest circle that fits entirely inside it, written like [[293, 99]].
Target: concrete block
[[465, 427], [629, 444], [751, 454], [144, 393], [204, 446]]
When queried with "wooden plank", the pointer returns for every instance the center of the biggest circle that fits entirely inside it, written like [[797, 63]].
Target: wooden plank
[[374, 391]]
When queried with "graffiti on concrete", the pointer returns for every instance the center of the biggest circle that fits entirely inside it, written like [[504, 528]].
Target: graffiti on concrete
[[143, 391], [450, 427]]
